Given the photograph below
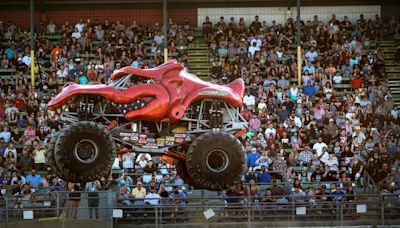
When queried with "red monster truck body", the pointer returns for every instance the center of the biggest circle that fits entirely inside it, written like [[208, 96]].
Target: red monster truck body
[[164, 110]]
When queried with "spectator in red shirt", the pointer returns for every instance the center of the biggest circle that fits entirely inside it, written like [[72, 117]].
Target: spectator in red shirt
[[92, 74], [20, 103], [55, 52], [356, 83]]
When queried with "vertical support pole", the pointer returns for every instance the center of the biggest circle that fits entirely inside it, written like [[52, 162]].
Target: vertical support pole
[[248, 213], [341, 212], [165, 14], [156, 216], [58, 211], [5, 198], [382, 210], [32, 37], [298, 44], [293, 210]]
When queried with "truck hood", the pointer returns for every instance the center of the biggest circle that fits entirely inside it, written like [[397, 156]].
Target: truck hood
[[73, 89]]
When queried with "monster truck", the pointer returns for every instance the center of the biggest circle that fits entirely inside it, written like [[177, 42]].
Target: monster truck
[[163, 110]]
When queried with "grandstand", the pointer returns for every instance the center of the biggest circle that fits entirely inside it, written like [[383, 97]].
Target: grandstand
[[322, 151]]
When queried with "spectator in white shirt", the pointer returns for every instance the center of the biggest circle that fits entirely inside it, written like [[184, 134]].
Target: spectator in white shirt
[[394, 113], [253, 49], [297, 120], [324, 157], [11, 108], [337, 78], [76, 34], [332, 162], [26, 60], [318, 146], [249, 100], [128, 160], [270, 131], [142, 160], [10, 148], [80, 25], [62, 72], [257, 41], [152, 197], [51, 28]]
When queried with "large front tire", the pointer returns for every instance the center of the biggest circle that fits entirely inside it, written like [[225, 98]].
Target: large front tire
[[183, 173], [216, 160], [51, 160], [84, 152]]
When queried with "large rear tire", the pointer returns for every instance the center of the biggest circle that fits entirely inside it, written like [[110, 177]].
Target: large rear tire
[[216, 160], [84, 152]]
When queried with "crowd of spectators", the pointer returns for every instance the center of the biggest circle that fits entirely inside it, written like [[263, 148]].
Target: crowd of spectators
[[85, 52], [333, 125], [331, 129]]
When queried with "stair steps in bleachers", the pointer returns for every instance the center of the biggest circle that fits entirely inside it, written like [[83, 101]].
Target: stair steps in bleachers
[[392, 68], [198, 56]]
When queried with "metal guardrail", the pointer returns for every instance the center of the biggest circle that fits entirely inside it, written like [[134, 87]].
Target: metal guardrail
[[378, 209]]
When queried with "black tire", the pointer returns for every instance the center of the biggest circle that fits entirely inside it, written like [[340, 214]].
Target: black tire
[[84, 151], [183, 173], [51, 160], [216, 160]]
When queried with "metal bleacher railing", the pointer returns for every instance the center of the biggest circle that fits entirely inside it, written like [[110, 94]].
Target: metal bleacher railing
[[371, 209]]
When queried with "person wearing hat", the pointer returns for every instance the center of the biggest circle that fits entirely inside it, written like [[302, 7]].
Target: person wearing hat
[[332, 128], [20, 65]]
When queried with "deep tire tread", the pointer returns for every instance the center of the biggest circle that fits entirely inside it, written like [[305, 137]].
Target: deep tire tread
[[63, 157], [196, 157]]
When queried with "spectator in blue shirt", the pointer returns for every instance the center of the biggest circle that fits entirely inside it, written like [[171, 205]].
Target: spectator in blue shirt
[[9, 52], [74, 73], [263, 175], [178, 180], [309, 89], [337, 194], [347, 68], [22, 122], [137, 62], [6, 135], [34, 179], [125, 180], [252, 157], [2, 147], [178, 197], [82, 78], [310, 68]]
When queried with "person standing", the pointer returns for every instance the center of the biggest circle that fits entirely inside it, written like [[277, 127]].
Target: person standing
[[74, 199], [93, 188]]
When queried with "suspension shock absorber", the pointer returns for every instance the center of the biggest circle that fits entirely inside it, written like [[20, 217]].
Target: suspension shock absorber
[[216, 115]]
